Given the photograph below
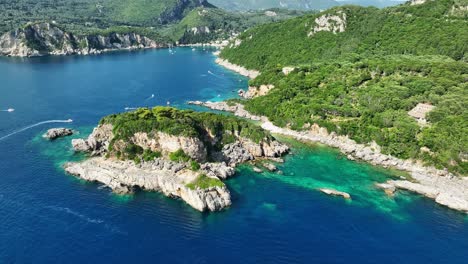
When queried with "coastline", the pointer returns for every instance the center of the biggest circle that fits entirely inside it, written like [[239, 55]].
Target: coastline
[[440, 185], [252, 74]]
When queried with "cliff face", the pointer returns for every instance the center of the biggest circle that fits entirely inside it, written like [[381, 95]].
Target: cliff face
[[160, 175], [47, 39], [200, 186]]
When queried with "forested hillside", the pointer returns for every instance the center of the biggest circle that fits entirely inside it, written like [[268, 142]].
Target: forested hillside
[[360, 71], [435, 28], [243, 5], [187, 21]]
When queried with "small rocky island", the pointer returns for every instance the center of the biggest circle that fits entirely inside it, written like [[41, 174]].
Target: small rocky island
[[181, 153], [55, 133]]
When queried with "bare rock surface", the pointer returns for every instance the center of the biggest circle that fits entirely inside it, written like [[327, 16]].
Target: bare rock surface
[[55, 133], [124, 176], [335, 193], [49, 39]]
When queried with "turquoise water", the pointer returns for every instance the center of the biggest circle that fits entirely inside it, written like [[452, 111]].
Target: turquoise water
[[48, 216]]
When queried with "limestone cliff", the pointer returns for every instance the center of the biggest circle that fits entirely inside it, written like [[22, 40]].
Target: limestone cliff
[[48, 39], [176, 164], [159, 175]]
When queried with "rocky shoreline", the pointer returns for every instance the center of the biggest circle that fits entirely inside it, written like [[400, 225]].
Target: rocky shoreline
[[252, 74], [42, 39], [163, 176], [445, 188], [176, 179]]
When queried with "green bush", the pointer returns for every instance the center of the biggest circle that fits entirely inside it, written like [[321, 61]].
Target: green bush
[[179, 156], [205, 182], [195, 166]]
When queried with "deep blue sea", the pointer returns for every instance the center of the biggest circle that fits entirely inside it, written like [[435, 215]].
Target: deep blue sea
[[47, 216]]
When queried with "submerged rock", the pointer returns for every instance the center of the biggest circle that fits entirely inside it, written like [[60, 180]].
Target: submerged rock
[[335, 193], [270, 167], [257, 170], [55, 133]]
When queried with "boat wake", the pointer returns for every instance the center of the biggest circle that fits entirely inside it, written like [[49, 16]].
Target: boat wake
[[35, 125], [151, 97], [76, 214], [9, 110]]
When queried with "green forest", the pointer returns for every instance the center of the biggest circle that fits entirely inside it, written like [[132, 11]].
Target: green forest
[[208, 127], [161, 20], [362, 82]]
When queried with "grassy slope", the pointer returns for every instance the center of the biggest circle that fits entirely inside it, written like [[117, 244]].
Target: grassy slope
[[364, 81]]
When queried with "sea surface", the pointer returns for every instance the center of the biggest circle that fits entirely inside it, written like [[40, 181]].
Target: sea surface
[[47, 216]]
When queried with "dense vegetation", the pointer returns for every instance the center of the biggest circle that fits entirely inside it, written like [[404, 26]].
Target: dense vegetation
[[161, 20], [244, 5], [429, 29], [180, 123], [221, 24], [362, 82]]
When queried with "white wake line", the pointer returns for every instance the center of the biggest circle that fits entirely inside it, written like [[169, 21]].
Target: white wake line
[[35, 125]]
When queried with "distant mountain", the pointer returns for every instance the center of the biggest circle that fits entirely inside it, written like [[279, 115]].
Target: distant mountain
[[376, 3], [242, 5]]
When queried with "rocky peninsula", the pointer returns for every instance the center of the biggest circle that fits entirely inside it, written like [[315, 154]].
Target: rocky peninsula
[[183, 154], [40, 39], [444, 187]]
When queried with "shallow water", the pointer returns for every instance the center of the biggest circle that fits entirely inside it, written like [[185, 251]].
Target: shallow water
[[48, 216]]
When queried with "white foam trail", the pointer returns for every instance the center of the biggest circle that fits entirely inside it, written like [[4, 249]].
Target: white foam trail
[[151, 97], [9, 110], [71, 212], [130, 108], [35, 125]]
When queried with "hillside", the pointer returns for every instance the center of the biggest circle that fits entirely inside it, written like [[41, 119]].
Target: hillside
[[351, 31], [187, 21], [362, 72], [244, 5], [205, 24], [85, 15]]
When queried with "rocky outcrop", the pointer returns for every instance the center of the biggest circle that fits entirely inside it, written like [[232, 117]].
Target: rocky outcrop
[[334, 23], [97, 143], [440, 185], [335, 193], [252, 74], [48, 39], [236, 109], [246, 150], [166, 143], [55, 133], [197, 184], [125, 176], [417, 2], [254, 91]]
